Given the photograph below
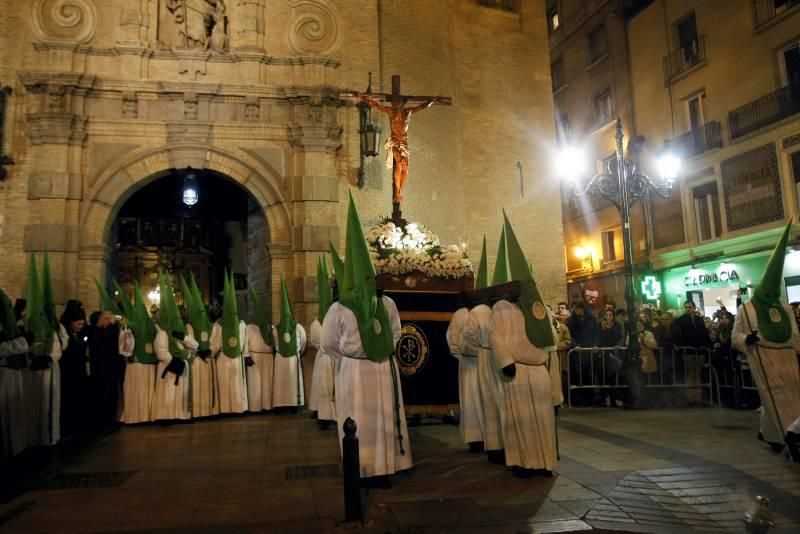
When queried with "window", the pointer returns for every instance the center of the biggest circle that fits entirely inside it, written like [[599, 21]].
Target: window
[[609, 254], [557, 74], [695, 106], [795, 160], [598, 44], [686, 30], [789, 59], [603, 109], [706, 211], [553, 21]]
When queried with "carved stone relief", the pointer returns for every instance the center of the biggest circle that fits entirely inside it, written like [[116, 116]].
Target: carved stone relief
[[64, 21], [252, 111], [314, 27], [190, 106], [130, 105], [201, 24]]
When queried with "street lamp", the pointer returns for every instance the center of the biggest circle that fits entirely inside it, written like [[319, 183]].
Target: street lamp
[[622, 184], [368, 134]]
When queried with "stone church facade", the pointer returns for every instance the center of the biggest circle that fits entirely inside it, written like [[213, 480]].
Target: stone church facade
[[109, 95]]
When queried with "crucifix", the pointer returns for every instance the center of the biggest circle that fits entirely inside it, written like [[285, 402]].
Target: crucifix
[[399, 112]]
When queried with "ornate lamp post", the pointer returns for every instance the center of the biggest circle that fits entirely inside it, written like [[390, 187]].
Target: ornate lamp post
[[622, 184], [368, 133]]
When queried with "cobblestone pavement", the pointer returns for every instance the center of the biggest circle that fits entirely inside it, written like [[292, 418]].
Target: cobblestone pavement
[[647, 471]]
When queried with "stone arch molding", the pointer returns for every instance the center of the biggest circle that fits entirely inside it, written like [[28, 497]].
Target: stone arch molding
[[116, 184], [314, 28], [64, 21]]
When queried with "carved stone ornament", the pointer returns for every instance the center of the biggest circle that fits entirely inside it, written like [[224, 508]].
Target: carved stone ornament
[[202, 24], [314, 28], [64, 21]]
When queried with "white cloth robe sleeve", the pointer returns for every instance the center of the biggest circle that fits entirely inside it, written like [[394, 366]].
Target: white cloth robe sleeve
[[455, 331], [161, 346], [394, 319], [215, 343], [315, 334]]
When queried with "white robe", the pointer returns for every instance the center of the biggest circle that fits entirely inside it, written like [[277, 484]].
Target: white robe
[[170, 401], [287, 379], [13, 412], [775, 372], [490, 390], [259, 376], [230, 372], [137, 389], [529, 421], [43, 395], [205, 393], [365, 392], [471, 417], [321, 398]]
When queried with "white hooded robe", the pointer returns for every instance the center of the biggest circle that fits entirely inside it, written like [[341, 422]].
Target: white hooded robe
[[13, 411], [259, 376], [471, 416], [171, 401], [321, 399], [230, 372], [287, 380]]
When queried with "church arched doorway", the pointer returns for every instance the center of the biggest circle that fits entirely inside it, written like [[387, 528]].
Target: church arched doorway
[[195, 221]]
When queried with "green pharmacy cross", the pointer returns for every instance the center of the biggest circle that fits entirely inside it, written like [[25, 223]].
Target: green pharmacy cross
[[651, 288]]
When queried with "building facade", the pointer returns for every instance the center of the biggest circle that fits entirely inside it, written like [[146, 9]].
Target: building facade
[[720, 80], [108, 96]]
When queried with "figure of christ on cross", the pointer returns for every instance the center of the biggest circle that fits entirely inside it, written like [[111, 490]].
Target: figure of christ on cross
[[399, 118]]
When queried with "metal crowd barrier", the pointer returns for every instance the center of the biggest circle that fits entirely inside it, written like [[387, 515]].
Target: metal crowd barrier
[[595, 368]]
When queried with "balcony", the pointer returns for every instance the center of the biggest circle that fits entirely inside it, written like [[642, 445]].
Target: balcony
[[681, 60], [764, 111], [701, 139], [764, 11]]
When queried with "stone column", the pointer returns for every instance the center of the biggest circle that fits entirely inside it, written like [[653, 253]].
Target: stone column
[[249, 25]]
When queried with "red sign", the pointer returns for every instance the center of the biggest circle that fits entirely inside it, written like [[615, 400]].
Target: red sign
[[591, 294]]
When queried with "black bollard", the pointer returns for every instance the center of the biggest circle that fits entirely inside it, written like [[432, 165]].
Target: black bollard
[[351, 467]]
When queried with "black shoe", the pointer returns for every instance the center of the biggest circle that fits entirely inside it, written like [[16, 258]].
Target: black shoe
[[497, 457], [521, 472], [546, 473], [379, 482], [475, 446]]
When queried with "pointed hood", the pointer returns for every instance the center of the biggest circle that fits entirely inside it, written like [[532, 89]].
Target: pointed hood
[[774, 323], [260, 318], [49, 301], [537, 323], [324, 289], [144, 331], [231, 343], [501, 274], [287, 327], [124, 303], [35, 319], [8, 321], [358, 292], [197, 315], [338, 271], [169, 318], [482, 276], [106, 302]]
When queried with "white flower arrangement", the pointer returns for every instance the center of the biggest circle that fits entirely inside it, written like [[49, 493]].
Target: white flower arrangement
[[396, 251]]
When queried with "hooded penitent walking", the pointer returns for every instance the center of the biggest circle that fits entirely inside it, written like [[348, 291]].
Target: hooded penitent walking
[[173, 391], [521, 336], [360, 332], [140, 372], [43, 381], [766, 331], [321, 397], [290, 337], [260, 347], [13, 361], [205, 397], [476, 334], [470, 414], [228, 343]]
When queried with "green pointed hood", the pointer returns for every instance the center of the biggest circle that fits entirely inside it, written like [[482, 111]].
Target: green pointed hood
[[482, 276], [8, 320], [124, 302], [260, 318], [169, 318], [287, 327], [144, 331], [774, 323], [501, 274], [357, 292], [231, 344], [106, 302], [537, 323], [324, 289], [338, 271], [49, 301], [35, 319], [197, 315]]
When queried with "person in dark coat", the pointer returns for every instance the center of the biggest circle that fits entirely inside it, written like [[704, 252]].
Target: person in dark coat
[[73, 363], [693, 330], [107, 371]]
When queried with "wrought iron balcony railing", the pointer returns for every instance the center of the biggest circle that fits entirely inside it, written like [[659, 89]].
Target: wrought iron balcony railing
[[699, 140], [764, 111], [766, 10], [679, 61]]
